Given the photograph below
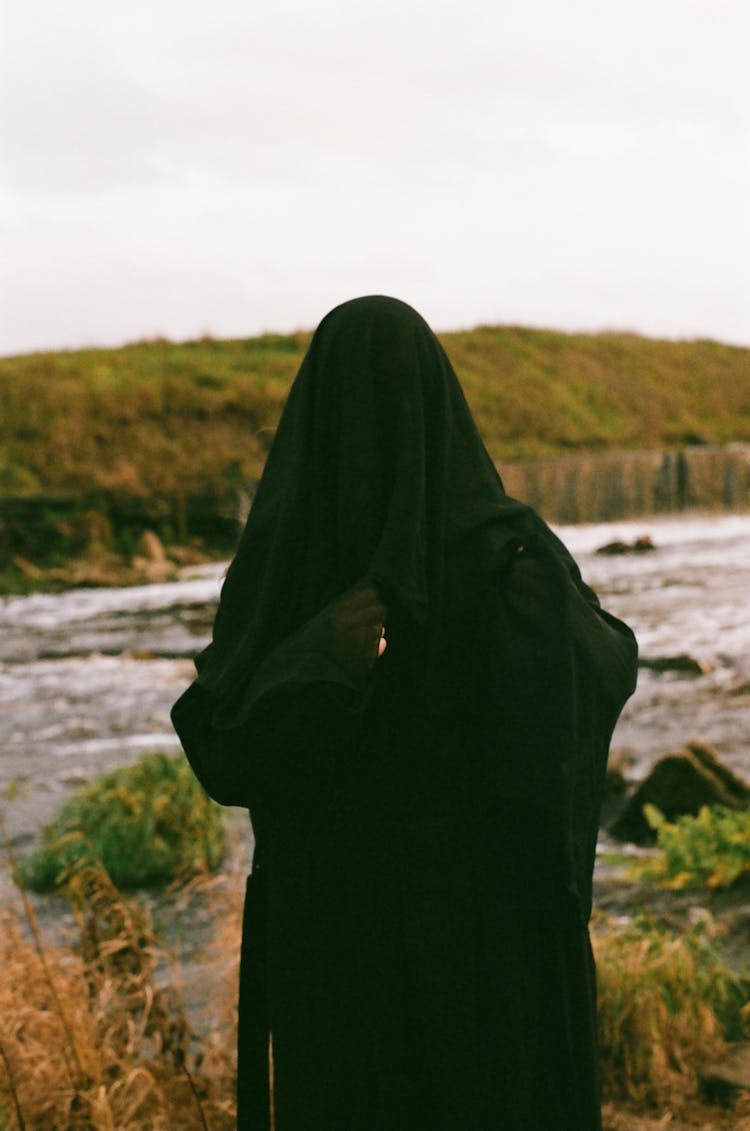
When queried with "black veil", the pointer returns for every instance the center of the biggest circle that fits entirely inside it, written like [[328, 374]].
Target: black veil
[[501, 660], [376, 467]]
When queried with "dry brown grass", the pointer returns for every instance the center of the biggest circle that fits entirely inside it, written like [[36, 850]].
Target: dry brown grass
[[667, 1006], [685, 1115], [95, 1036]]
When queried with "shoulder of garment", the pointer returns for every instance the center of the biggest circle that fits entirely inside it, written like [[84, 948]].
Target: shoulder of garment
[[533, 642]]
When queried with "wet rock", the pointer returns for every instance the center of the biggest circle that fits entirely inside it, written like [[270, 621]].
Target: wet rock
[[150, 547], [733, 786], [612, 548], [150, 562], [189, 555], [642, 545], [618, 765], [680, 783], [720, 1082], [152, 572], [98, 570], [684, 663]]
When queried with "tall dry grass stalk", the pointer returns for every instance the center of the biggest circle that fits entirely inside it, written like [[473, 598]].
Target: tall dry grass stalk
[[73, 1065], [667, 1005], [110, 1003]]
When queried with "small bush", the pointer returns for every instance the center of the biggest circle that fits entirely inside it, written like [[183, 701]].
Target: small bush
[[667, 1004], [711, 849], [146, 824]]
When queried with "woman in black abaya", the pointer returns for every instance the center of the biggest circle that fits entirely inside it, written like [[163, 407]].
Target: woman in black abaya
[[413, 692]]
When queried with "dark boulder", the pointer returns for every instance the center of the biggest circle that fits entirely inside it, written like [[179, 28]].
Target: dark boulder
[[687, 665], [619, 764], [641, 545], [680, 783]]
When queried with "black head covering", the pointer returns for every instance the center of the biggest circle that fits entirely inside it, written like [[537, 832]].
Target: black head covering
[[497, 660], [375, 469]]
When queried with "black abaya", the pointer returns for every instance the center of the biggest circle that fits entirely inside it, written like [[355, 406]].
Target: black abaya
[[415, 937]]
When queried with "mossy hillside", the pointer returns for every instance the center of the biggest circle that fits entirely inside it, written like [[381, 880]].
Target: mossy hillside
[[542, 393], [176, 419], [99, 445], [150, 417]]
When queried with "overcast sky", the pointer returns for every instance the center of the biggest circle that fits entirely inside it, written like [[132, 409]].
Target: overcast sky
[[177, 168]]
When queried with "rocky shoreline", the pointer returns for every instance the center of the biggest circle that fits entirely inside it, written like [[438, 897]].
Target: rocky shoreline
[[100, 567], [680, 783]]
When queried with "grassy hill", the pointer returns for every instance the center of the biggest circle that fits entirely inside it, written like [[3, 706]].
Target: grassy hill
[[158, 414], [156, 423]]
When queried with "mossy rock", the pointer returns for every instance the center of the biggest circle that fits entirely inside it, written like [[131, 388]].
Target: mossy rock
[[680, 783]]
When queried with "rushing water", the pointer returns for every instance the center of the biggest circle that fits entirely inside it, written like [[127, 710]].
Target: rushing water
[[87, 677]]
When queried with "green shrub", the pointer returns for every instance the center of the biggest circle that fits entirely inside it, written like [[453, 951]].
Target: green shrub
[[666, 1005], [148, 823], [711, 849]]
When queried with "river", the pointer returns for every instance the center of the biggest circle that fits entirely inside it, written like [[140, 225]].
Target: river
[[87, 677]]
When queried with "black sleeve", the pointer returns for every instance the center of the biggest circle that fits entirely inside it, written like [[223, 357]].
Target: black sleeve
[[591, 669], [280, 748], [604, 644], [284, 725], [557, 670]]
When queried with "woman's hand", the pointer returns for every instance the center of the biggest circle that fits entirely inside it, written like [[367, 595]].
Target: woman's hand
[[357, 624]]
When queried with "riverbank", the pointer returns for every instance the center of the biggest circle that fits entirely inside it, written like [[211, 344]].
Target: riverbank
[[97, 446], [91, 541], [99, 567], [87, 677]]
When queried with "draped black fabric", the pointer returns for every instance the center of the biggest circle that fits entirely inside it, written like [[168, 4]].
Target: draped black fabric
[[425, 824], [376, 466]]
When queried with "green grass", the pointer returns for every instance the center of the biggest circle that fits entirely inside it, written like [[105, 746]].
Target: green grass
[[615, 859], [711, 849], [173, 419], [197, 413], [146, 824]]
